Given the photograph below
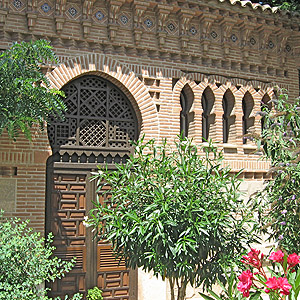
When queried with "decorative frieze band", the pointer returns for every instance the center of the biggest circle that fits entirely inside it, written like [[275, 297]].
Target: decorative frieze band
[[245, 29]]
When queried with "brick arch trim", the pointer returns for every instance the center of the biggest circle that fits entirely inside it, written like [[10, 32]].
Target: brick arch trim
[[224, 81], [179, 86], [121, 76]]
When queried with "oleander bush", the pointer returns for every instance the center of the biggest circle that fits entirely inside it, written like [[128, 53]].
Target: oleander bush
[[175, 212]]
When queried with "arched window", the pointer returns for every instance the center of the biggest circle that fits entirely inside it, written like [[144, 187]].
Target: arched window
[[265, 106], [207, 116], [228, 120], [99, 119], [186, 115], [248, 121]]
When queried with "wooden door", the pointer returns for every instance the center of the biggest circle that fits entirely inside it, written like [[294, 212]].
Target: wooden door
[[70, 196], [98, 124]]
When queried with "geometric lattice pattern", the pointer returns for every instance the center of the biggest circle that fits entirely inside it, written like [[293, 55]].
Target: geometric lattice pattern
[[98, 116], [92, 133]]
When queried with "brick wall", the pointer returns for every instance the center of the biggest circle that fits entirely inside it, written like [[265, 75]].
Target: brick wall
[[152, 51]]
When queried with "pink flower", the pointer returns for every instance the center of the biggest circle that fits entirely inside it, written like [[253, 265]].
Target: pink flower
[[279, 283], [284, 285], [252, 258], [245, 282], [277, 256], [293, 260], [272, 283]]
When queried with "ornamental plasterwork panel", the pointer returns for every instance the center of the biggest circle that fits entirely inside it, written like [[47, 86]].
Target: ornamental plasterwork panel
[[46, 7], [172, 26], [18, 5], [99, 15], [73, 11], [194, 31], [125, 19]]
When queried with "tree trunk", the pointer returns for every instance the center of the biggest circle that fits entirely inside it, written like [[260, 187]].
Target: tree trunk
[[171, 281], [181, 289]]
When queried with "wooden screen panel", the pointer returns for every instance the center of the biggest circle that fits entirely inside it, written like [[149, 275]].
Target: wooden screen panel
[[68, 208]]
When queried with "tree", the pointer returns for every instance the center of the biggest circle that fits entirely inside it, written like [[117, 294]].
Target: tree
[[292, 5], [280, 199], [173, 212], [25, 94]]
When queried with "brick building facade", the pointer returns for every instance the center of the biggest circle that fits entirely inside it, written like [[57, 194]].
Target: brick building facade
[[201, 66]]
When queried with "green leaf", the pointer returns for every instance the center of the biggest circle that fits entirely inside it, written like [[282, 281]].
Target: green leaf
[[205, 296]]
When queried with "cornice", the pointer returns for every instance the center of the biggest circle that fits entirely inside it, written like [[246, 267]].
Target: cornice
[[205, 24]]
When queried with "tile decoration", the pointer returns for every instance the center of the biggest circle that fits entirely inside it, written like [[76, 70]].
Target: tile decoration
[[148, 23], [234, 38], [72, 11], [171, 27], [213, 34], [252, 41], [271, 45], [193, 30], [124, 19], [46, 7], [17, 4], [288, 48], [99, 15]]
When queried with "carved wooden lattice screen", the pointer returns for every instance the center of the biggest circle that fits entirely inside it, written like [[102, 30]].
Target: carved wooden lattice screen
[[98, 124]]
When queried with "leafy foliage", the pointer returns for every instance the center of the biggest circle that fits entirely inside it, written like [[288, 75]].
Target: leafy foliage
[[292, 5], [94, 294], [229, 289], [280, 210], [173, 212], [26, 261], [25, 94]]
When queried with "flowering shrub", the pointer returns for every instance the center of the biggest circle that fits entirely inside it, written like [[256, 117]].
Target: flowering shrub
[[174, 213], [279, 201], [284, 279]]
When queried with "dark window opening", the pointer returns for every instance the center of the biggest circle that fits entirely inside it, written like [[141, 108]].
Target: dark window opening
[[186, 116], [207, 116], [248, 122], [228, 120]]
